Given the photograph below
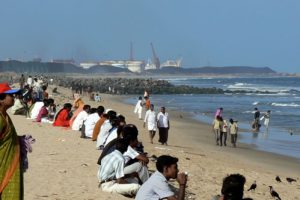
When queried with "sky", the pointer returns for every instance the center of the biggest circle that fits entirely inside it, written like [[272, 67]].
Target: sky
[[259, 33]]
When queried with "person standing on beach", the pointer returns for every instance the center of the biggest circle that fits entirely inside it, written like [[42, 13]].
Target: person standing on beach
[[139, 107], [163, 124], [157, 187], [219, 112], [233, 127], [256, 124], [217, 127], [267, 116], [150, 119], [223, 135], [147, 103], [11, 175]]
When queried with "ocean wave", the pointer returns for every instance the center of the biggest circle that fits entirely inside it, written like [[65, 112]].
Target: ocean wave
[[255, 103], [285, 104]]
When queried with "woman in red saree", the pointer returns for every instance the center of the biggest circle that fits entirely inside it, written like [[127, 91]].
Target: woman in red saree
[[11, 175], [63, 116]]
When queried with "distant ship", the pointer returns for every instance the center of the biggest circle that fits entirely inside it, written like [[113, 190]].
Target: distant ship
[[172, 63]]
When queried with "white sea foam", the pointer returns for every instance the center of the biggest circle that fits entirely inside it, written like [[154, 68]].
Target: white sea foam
[[255, 103], [286, 104]]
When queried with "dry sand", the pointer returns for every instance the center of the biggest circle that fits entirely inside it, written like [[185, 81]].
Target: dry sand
[[63, 166]]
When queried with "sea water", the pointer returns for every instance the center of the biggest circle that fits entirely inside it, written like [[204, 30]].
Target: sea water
[[283, 136]]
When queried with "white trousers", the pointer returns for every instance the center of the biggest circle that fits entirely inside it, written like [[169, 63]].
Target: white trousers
[[142, 170], [124, 189]]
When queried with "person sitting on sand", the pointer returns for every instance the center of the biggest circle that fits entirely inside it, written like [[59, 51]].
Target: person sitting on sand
[[97, 97], [134, 161], [63, 116], [19, 107], [157, 187], [104, 131], [78, 106], [81, 117], [36, 107], [233, 127], [111, 172], [232, 188], [98, 125], [150, 119], [91, 121], [43, 113]]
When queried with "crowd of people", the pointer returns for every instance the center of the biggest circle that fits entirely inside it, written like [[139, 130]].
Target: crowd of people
[[122, 161]]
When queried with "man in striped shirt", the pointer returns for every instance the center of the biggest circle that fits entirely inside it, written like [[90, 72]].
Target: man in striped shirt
[[111, 172]]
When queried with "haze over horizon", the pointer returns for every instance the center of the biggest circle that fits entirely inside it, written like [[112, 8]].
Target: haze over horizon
[[207, 32]]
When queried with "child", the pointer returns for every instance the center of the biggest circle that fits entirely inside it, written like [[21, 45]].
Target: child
[[224, 132], [217, 127], [233, 131]]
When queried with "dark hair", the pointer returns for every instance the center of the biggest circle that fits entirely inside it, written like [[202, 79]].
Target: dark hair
[[50, 101], [2, 96], [114, 121], [100, 110], [121, 145], [86, 107], [130, 132], [67, 106], [111, 113], [46, 102], [233, 187], [92, 110], [165, 161]]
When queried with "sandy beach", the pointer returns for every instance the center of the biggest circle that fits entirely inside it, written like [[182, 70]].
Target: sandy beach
[[63, 166]]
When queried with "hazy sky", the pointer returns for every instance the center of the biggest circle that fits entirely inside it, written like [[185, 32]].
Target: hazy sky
[[202, 32]]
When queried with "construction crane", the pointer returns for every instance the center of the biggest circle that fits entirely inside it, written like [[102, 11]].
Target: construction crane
[[155, 59], [131, 58]]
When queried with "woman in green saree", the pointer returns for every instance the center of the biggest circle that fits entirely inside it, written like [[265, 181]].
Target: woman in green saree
[[11, 175]]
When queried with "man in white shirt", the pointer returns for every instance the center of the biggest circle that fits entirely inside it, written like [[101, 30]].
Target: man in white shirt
[[163, 125], [91, 121], [111, 172], [139, 107], [157, 187], [104, 131], [134, 161], [150, 119], [81, 117]]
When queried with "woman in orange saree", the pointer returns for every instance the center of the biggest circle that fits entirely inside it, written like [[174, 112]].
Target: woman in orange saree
[[11, 175]]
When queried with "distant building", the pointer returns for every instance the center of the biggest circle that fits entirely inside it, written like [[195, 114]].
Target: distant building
[[64, 61]]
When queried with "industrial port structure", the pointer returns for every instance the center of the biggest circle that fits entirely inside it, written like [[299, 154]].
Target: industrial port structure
[[136, 66]]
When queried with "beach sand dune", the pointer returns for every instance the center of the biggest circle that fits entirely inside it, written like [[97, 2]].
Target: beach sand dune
[[63, 166]]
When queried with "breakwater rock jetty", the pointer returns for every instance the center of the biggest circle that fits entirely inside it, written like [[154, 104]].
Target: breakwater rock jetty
[[130, 86]]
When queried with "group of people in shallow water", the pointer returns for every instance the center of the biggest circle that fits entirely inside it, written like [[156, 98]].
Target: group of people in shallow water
[[122, 161], [221, 127]]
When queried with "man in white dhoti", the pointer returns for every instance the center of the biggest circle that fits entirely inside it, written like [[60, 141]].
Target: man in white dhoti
[[150, 119]]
